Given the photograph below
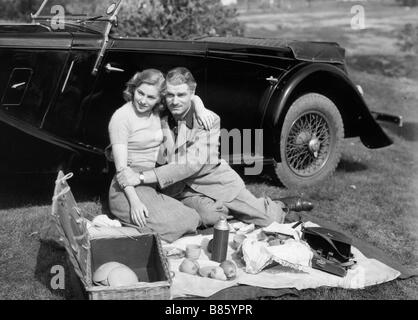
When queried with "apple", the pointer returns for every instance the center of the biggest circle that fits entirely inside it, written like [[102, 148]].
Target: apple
[[229, 269], [189, 266], [217, 273], [205, 271]]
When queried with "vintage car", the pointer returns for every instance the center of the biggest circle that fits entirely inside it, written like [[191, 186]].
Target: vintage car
[[60, 82]]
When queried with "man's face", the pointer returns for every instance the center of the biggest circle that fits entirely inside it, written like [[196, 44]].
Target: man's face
[[178, 98]]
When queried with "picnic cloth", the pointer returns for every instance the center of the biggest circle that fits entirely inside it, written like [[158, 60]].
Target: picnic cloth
[[376, 267], [367, 272]]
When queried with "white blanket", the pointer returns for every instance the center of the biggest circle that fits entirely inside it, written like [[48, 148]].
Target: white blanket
[[365, 273]]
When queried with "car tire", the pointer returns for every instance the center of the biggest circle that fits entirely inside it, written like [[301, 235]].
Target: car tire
[[310, 141]]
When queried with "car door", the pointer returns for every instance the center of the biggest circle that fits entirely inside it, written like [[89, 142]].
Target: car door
[[238, 87], [30, 80], [29, 74], [75, 92]]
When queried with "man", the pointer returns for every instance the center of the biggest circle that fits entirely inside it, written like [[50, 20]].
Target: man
[[194, 173]]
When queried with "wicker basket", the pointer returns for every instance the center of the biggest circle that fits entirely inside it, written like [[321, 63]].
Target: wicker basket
[[141, 252]]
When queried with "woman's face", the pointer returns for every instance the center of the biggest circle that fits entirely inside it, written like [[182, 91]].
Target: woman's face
[[146, 96]]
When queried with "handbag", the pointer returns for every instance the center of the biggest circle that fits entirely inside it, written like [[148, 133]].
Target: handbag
[[328, 243]]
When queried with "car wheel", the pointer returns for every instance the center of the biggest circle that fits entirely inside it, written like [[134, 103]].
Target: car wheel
[[310, 141]]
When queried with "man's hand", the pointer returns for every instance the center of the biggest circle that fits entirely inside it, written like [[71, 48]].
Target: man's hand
[[206, 119], [127, 177], [138, 213]]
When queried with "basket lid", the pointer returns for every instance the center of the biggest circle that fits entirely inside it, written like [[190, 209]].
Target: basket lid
[[72, 227]]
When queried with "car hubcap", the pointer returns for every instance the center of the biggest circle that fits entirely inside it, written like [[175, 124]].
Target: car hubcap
[[308, 144]]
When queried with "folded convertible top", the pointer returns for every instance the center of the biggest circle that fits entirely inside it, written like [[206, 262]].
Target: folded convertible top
[[302, 50]]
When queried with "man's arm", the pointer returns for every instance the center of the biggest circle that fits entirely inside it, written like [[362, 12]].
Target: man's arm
[[190, 158]]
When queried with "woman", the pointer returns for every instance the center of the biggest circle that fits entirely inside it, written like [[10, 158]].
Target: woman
[[135, 136]]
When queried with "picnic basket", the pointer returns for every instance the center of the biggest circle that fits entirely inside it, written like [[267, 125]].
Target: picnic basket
[[141, 252]]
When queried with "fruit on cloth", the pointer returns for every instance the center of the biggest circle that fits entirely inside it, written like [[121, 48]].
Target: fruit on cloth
[[189, 266], [175, 253], [217, 273], [275, 242], [122, 276], [229, 268], [238, 240], [193, 251], [205, 271], [101, 274]]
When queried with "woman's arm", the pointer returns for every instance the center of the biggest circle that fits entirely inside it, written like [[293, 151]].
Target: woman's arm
[[204, 117], [120, 156], [138, 210]]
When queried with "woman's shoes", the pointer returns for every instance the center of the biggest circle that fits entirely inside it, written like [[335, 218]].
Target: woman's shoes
[[296, 204]]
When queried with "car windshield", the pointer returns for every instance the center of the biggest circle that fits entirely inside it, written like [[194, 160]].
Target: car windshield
[[61, 15]]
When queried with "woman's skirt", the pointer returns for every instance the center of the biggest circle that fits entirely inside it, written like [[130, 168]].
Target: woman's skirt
[[168, 217]]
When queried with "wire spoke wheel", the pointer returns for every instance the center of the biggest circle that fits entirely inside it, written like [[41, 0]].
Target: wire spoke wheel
[[310, 141], [308, 144]]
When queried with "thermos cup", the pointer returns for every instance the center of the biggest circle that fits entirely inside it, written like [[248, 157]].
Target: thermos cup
[[220, 240]]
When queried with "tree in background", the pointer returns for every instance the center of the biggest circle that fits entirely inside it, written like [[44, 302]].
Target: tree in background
[[178, 19], [18, 9], [408, 38], [408, 3], [168, 19], [408, 35]]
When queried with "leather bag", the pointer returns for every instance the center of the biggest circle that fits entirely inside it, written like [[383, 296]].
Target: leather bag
[[328, 243]]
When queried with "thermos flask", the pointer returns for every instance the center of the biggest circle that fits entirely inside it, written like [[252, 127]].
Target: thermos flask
[[220, 240]]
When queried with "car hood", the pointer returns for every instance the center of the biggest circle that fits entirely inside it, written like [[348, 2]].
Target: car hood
[[313, 51]]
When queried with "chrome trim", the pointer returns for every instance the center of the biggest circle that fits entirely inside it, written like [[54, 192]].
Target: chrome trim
[[68, 76], [109, 26], [17, 85], [272, 80], [109, 68], [33, 16]]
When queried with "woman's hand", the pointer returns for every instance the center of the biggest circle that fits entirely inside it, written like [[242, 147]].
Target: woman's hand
[[138, 212]]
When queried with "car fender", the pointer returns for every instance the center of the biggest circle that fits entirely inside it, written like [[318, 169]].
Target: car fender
[[314, 77]]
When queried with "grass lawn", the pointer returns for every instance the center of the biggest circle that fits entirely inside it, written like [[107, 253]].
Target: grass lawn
[[372, 194]]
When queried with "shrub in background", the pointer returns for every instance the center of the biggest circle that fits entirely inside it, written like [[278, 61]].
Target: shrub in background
[[408, 3], [168, 19], [178, 19], [408, 38], [18, 9]]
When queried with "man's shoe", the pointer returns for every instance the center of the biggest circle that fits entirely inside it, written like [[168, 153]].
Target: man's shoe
[[296, 204]]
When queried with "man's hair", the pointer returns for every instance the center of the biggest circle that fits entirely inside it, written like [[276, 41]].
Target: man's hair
[[152, 77], [181, 75]]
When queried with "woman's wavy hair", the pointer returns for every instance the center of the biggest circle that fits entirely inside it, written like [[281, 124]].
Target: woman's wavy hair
[[152, 77]]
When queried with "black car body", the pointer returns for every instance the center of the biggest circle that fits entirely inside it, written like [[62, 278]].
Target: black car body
[[59, 88]]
